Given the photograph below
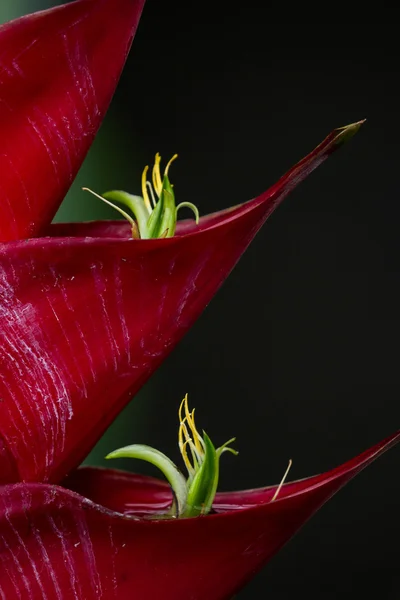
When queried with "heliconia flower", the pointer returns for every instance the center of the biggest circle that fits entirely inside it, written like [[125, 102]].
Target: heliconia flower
[[155, 213], [87, 314], [98, 537], [58, 72], [194, 496]]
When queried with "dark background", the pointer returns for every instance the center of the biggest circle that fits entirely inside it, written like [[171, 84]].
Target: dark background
[[297, 355]]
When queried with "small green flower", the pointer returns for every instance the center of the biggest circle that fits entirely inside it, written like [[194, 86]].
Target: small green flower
[[192, 497], [155, 213]]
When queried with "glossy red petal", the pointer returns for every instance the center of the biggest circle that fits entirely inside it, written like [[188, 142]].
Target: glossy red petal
[[121, 491], [86, 320], [55, 543], [58, 72]]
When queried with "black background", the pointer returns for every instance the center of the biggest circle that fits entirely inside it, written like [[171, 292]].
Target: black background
[[297, 355]]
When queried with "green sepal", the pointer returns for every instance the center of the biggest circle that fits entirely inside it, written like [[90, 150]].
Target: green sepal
[[166, 466], [136, 205], [192, 207], [203, 487], [225, 448], [162, 221]]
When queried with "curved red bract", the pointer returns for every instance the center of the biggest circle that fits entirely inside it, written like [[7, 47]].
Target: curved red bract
[[58, 72], [87, 315], [56, 543]]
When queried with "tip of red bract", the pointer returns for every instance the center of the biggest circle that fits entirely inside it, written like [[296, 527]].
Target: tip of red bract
[[344, 134], [59, 70]]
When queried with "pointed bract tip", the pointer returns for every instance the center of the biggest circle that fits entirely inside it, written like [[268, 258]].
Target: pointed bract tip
[[344, 134]]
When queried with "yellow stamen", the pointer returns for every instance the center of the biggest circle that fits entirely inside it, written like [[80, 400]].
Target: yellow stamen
[[151, 192], [185, 457], [144, 189], [180, 410], [157, 183], [189, 417], [183, 438], [198, 440], [189, 436], [175, 156], [183, 433], [282, 482]]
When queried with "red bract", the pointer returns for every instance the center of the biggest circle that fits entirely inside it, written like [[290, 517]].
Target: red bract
[[87, 314], [58, 72], [56, 543]]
